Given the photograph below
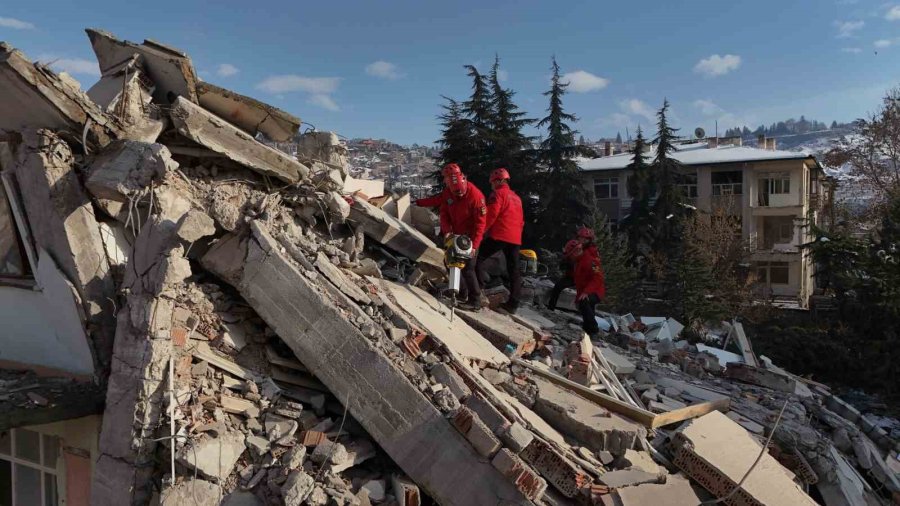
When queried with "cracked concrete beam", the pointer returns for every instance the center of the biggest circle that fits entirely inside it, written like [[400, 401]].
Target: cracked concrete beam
[[248, 114], [213, 132], [35, 97], [125, 92], [403, 421], [170, 69]]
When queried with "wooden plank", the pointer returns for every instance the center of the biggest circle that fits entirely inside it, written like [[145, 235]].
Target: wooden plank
[[230, 367], [641, 416], [276, 359], [680, 415], [744, 344]]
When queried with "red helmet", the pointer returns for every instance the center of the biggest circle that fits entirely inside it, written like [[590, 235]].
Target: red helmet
[[586, 233], [499, 175], [458, 184], [450, 170]]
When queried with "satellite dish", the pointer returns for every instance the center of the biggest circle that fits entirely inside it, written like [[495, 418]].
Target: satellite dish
[[699, 133]]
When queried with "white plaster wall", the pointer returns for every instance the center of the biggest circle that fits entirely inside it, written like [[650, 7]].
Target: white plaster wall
[[44, 326]]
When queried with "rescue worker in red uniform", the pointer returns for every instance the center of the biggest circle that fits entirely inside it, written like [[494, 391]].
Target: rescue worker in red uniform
[[589, 282], [464, 213], [571, 251], [504, 225], [449, 170]]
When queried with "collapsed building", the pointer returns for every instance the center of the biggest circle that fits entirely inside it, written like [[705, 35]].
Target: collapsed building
[[193, 316]]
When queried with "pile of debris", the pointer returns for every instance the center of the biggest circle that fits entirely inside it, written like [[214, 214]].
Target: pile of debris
[[264, 334]]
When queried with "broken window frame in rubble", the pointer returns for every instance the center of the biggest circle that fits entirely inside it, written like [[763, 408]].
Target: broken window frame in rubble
[[41, 458]]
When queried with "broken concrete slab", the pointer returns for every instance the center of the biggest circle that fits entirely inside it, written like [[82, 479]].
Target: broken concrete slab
[[62, 222], [501, 330], [620, 365], [170, 69], [213, 457], [627, 478], [248, 114], [393, 411], [35, 97], [444, 374], [334, 274], [190, 491], [581, 419], [396, 235], [676, 491], [716, 452], [125, 92], [327, 148], [216, 134], [433, 316], [296, 488], [126, 169], [761, 377], [533, 317]]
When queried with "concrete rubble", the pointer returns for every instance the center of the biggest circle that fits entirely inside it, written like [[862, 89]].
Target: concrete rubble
[[265, 335]]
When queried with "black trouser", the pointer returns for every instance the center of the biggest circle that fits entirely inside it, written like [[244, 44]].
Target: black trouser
[[586, 308], [470, 281], [566, 281], [511, 252]]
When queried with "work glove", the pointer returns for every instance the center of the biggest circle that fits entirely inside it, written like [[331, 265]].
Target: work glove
[[581, 297]]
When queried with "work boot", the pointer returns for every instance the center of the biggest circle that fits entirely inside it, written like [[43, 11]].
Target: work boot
[[483, 301], [470, 305], [509, 307]]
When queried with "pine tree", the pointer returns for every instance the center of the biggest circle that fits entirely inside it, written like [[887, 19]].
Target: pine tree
[[691, 285], [641, 188], [564, 201], [618, 137], [456, 142], [510, 148], [668, 207], [622, 279], [479, 112]]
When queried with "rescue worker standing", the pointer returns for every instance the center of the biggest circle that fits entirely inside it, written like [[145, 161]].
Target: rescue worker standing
[[464, 212], [449, 170], [567, 265], [504, 225], [590, 287]]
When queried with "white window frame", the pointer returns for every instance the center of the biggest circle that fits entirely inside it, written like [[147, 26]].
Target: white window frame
[[9, 188], [611, 183], [777, 183], [688, 191], [44, 470]]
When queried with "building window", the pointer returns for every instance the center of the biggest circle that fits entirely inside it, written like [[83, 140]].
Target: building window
[[28, 468], [687, 185], [13, 260], [813, 184], [727, 183], [774, 273], [606, 187], [777, 184]]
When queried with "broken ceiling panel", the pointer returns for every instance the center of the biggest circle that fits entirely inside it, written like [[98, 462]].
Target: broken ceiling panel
[[169, 68]]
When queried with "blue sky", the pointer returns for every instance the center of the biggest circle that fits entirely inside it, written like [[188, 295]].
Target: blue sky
[[378, 69]]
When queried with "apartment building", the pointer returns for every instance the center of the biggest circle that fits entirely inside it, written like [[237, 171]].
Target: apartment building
[[773, 194]]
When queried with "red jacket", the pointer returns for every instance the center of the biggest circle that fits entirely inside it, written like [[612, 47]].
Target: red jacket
[[434, 200], [505, 220], [465, 215], [589, 273]]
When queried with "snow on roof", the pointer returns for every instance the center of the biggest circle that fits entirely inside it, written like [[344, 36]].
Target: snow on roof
[[697, 154]]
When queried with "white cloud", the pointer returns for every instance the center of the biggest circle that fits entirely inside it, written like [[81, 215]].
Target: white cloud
[[290, 82], [71, 65], [638, 107], [893, 14], [708, 107], [717, 65], [848, 28], [852, 50], [384, 70], [617, 120], [324, 101], [581, 81], [16, 24], [226, 70], [883, 43]]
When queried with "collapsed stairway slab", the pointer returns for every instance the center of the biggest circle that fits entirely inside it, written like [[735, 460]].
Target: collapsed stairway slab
[[403, 421], [216, 134]]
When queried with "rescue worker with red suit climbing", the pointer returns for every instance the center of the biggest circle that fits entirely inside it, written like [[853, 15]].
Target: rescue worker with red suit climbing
[[504, 225], [463, 212], [590, 287]]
